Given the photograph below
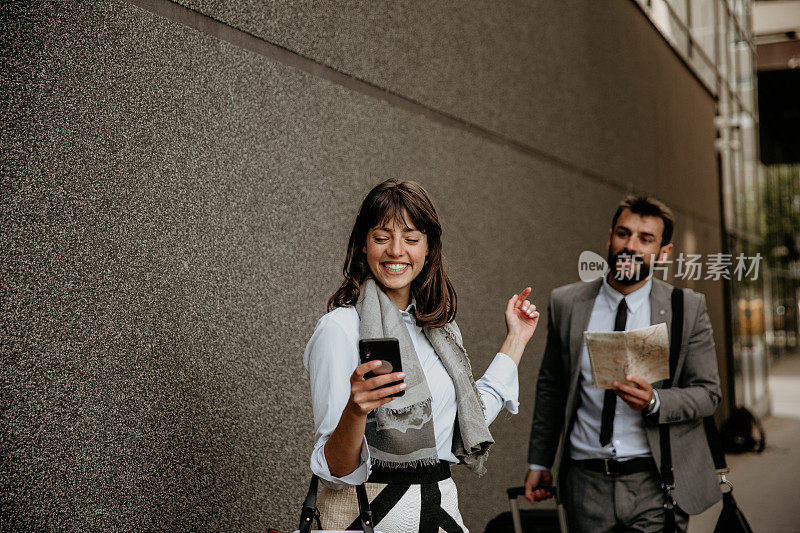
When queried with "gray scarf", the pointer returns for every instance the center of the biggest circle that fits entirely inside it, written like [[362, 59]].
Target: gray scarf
[[400, 433]]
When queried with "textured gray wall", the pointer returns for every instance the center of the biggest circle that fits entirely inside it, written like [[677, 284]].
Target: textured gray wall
[[175, 208]]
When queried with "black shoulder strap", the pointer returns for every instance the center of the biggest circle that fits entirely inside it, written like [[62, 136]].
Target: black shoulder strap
[[310, 512], [676, 337], [715, 443], [667, 474], [676, 334], [712, 433]]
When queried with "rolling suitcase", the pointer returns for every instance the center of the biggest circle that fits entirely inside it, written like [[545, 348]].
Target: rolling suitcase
[[524, 520]]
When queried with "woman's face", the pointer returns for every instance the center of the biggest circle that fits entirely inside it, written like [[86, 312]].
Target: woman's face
[[395, 255]]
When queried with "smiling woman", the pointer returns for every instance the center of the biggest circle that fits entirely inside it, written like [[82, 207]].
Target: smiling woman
[[402, 447], [395, 222]]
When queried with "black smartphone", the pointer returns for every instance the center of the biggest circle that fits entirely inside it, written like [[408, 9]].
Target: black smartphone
[[386, 350]]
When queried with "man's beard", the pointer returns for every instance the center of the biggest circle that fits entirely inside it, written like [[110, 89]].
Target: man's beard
[[626, 278]]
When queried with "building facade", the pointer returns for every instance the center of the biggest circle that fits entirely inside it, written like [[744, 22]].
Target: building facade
[[716, 42]]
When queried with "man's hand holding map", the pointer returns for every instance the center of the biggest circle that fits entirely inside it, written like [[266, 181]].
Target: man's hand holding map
[[639, 352]]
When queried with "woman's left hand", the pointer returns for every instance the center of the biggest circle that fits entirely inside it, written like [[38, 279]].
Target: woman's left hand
[[521, 316]]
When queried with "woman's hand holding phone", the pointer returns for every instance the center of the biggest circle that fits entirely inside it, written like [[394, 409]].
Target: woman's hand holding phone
[[342, 451], [365, 394]]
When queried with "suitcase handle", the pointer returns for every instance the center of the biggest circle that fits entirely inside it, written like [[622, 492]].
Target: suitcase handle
[[516, 492]]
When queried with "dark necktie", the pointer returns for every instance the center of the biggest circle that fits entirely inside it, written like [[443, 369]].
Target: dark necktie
[[610, 399]]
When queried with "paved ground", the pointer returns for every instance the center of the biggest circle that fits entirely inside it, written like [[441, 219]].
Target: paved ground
[[767, 485]]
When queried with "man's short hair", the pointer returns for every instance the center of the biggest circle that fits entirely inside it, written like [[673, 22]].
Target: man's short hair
[[648, 207]]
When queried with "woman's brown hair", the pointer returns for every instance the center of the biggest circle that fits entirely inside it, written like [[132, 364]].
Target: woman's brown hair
[[393, 200]]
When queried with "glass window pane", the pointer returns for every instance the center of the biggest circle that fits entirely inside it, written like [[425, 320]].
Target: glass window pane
[[669, 26], [741, 8], [702, 26], [734, 72], [705, 71], [722, 39], [679, 8], [746, 78]]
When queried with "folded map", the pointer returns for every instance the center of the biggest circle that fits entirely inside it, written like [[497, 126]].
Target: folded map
[[615, 354]]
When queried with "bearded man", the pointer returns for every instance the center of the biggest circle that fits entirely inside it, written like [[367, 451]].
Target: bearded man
[[609, 468]]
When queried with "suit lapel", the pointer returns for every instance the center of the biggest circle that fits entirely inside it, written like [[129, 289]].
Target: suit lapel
[[581, 311], [660, 304]]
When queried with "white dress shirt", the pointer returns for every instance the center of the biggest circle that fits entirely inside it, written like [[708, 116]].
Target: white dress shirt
[[628, 439], [331, 356]]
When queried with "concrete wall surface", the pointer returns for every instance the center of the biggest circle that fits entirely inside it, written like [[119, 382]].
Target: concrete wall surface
[[178, 186]]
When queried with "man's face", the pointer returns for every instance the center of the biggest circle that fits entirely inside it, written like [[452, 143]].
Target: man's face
[[633, 245]]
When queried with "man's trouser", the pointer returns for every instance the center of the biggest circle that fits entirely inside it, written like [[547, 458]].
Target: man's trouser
[[596, 500]]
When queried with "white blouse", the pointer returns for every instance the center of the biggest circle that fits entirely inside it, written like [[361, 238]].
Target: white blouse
[[331, 356]]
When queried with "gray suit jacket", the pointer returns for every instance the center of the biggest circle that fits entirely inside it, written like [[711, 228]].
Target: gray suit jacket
[[695, 392]]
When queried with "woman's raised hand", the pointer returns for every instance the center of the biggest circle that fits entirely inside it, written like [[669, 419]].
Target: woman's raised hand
[[521, 316], [365, 394]]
